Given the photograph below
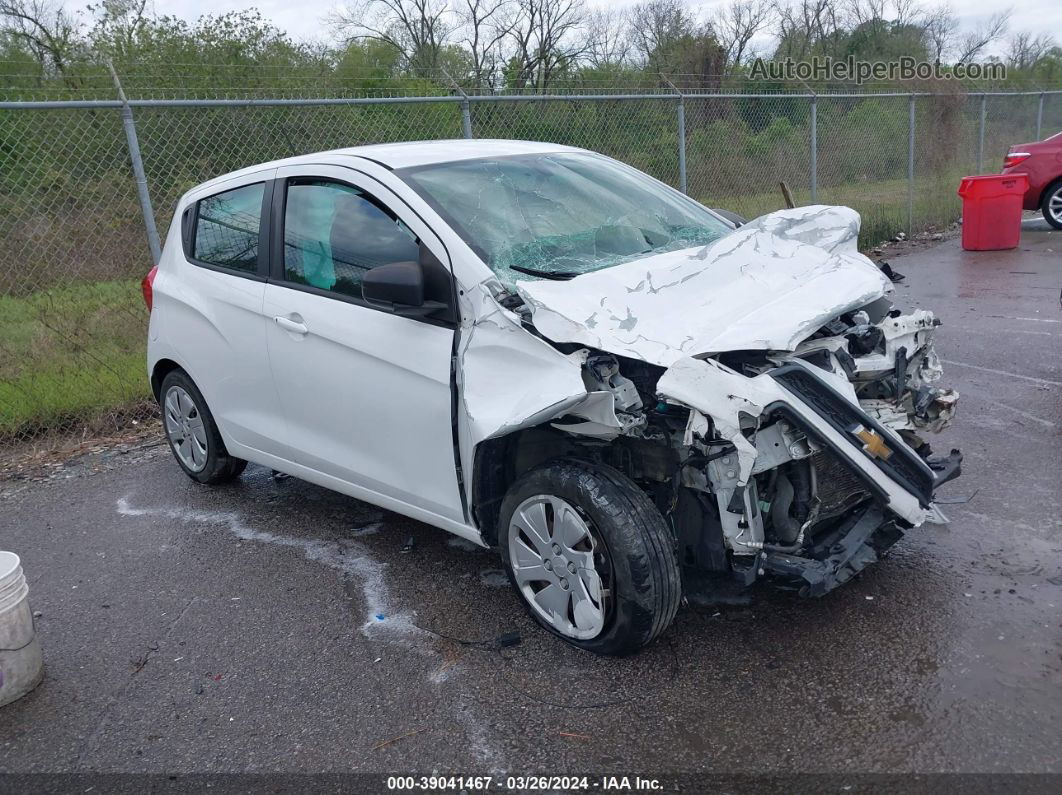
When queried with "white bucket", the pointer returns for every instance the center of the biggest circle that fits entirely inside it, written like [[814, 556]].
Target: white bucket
[[21, 667]]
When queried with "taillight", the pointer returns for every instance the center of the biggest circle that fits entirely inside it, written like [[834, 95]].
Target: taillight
[[1013, 158], [145, 286]]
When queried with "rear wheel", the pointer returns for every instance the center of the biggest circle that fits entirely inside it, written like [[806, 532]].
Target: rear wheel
[[192, 433], [1051, 205], [590, 556]]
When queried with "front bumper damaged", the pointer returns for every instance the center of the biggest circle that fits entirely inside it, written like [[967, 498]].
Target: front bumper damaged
[[894, 458], [876, 487], [726, 402], [946, 467], [833, 558], [833, 561], [776, 384]]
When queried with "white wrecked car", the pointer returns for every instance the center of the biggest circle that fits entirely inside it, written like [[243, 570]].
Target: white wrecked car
[[539, 348]]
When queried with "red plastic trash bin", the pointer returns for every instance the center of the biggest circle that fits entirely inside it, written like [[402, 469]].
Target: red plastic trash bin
[[991, 211]]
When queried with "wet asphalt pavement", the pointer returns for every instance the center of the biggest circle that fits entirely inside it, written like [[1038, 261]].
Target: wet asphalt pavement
[[275, 626]]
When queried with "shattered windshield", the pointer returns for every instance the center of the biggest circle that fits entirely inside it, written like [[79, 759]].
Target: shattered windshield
[[560, 215]]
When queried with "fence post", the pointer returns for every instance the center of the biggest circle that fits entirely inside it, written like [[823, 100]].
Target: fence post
[[466, 118], [466, 111], [910, 162], [981, 137], [814, 149], [682, 143], [680, 117], [1040, 117], [138, 170]]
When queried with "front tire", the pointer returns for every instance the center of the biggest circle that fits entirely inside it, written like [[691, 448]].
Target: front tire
[[590, 556], [1051, 205], [192, 433]]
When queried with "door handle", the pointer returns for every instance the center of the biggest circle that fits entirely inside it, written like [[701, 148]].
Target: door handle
[[291, 325]]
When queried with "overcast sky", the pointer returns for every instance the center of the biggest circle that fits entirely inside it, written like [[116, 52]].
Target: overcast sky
[[304, 19]]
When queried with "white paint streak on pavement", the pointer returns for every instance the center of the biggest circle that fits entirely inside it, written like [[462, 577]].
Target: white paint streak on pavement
[[352, 559], [1042, 381], [345, 555], [1034, 319], [367, 530], [1027, 415]]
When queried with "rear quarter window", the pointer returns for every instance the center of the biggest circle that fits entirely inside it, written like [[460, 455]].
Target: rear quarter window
[[226, 229]]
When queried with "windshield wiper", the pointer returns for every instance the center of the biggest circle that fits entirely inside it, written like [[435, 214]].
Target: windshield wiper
[[559, 276]]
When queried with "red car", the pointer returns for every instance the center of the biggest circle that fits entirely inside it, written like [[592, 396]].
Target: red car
[[1042, 163]]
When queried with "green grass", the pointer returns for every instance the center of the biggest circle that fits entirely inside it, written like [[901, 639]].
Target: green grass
[[882, 205], [68, 354]]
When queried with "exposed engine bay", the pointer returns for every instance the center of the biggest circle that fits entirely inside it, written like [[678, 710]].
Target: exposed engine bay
[[779, 430], [769, 494]]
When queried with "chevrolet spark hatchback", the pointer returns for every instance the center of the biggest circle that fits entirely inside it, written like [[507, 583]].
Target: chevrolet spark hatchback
[[538, 348]]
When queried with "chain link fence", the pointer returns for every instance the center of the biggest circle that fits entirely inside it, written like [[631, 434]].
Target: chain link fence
[[73, 239]]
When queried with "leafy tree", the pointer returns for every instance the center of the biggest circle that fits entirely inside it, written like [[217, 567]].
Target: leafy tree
[[885, 40], [46, 30]]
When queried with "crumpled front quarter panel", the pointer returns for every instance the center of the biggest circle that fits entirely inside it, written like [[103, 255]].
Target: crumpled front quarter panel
[[510, 380]]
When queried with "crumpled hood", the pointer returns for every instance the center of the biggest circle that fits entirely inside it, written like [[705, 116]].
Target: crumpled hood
[[766, 286]]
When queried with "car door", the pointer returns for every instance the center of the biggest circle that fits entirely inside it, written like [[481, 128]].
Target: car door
[[214, 320], [366, 394]]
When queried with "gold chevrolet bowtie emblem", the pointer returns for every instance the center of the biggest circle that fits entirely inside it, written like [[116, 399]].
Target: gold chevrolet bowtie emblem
[[873, 443]]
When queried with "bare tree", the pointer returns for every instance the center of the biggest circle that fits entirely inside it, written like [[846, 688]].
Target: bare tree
[[45, 28], [655, 24], [907, 12], [808, 26], [544, 36], [485, 25], [880, 18], [1025, 49], [738, 24], [862, 12], [973, 43], [607, 39], [418, 29], [941, 26]]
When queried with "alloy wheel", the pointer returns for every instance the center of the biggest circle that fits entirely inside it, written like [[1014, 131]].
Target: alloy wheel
[[1054, 205]]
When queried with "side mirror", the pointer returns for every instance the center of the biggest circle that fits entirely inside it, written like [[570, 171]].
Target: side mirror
[[398, 287]]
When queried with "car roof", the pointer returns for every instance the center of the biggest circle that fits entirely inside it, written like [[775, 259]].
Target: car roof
[[408, 153]]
